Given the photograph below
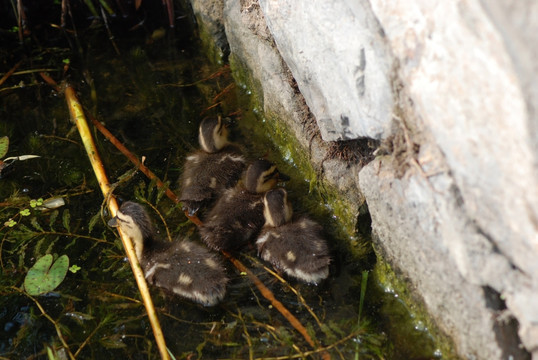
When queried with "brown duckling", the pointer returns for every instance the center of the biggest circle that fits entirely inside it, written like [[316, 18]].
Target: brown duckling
[[295, 247], [181, 267], [238, 214], [217, 166]]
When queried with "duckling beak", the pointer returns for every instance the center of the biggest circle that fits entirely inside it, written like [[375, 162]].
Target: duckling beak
[[283, 177], [113, 222], [227, 121]]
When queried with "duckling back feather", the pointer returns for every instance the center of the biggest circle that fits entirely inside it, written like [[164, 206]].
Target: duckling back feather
[[237, 216], [295, 247], [211, 170]]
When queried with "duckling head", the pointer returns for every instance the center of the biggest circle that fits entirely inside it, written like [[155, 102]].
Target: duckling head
[[213, 134], [262, 176], [134, 222], [277, 209]]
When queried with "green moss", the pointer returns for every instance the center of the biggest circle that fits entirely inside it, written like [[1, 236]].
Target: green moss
[[213, 52], [410, 319]]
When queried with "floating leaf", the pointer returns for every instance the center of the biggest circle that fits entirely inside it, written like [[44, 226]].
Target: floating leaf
[[43, 278], [4, 146], [25, 212], [74, 268]]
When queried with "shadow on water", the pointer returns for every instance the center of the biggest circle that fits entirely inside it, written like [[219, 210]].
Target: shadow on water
[[152, 97]]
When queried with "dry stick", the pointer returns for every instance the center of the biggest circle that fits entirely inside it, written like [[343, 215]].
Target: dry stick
[[269, 296], [10, 72], [261, 287], [77, 115], [131, 157]]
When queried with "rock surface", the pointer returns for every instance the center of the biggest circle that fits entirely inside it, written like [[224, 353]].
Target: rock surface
[[452, 89], [336, 54]]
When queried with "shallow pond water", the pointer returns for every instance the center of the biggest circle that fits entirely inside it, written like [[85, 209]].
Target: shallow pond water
[[152, 96]]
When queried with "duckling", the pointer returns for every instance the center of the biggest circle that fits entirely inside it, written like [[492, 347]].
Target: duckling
[[295, 247], [238, 214], [182, 267], [217, 166]]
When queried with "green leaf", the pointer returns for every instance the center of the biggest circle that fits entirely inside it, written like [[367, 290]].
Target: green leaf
[[74, 268], [4, 146], [52, 219], [66, 218], [36, 225], [25, 212], [94, 221], [43, 278]]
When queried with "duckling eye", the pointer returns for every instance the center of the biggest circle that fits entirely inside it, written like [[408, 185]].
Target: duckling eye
[[270, 175], [124, 222]]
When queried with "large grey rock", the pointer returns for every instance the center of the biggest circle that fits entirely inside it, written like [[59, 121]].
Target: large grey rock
[[336, 54], [422, 230], [466, 91]]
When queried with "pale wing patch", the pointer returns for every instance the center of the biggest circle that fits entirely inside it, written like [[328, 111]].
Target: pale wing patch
[[266, 255], [309, 277], [184, 279], [213, 183], [192, 158], [185, 246], [155, 267], [262, 239], [233, 158], [211, 263], [290, 255]]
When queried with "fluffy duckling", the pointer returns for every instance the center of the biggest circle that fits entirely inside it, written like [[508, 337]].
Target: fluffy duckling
[[217, 166], [238, 214], [295, 247], [182, 267]]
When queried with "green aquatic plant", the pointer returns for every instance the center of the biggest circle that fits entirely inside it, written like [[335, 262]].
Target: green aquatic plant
[[4, 146], [74, 268], [45, 276]]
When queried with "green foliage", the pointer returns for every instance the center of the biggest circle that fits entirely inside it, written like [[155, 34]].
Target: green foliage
[[4, 146], [74, 268], [34, 203], [45, 276]]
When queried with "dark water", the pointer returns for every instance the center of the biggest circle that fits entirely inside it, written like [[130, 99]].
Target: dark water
[[152, 96]]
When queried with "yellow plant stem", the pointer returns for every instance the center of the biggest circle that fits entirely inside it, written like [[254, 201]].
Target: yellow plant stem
[[77, 116]]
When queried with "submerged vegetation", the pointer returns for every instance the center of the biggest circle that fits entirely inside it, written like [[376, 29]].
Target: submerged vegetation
[[66, 289]]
